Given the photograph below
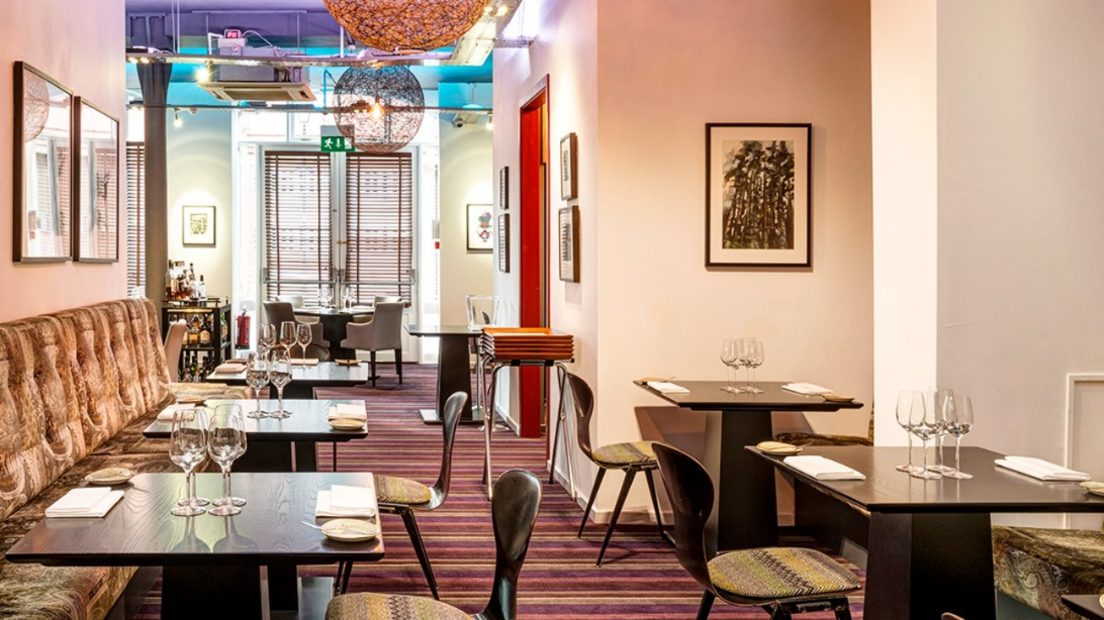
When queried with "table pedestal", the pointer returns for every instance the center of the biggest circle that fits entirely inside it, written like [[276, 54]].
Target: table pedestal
[[747, 512], [453, 375], [238, 591]]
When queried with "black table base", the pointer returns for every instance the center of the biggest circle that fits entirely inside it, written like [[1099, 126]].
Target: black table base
[[746, 493], [276, 456], [233, 591]]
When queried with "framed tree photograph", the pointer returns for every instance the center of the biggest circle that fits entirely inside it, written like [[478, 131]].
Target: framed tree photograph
[[758, 195], [96, 179], [504, 243], [569, 243], [569, 167], [480, 228], [199, 225]]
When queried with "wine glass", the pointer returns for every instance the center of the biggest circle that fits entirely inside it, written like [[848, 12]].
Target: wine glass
[[256, 377], [303, 336], [940, 399], [347, 296], [325, 296], [960, 419], [287, 335], [187, 449], [279, 373], [732, 364], [225, 443], [266, 339], [905, 399], [925, 425], [753, 359]]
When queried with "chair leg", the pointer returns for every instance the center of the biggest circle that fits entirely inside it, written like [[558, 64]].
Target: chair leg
[[630, 474], [345, 576], [337, 578], [419, 548], [335, 456], [372, 366], [843, 609], [398, 364], [778, 612], [655, 504], [590, 502], [706, 605]]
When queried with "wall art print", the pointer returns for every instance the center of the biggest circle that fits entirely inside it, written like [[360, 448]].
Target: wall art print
[[199, 225], [480, 228]]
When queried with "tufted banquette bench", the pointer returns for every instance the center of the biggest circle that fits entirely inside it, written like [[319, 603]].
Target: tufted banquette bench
[[76, 389], [1037, 566]]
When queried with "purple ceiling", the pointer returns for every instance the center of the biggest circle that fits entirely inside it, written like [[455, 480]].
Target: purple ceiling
[[165, 6]]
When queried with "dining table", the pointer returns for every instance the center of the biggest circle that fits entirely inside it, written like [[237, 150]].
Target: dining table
[[334, 323], [929, 545], [306, 377], [1086, 605], [453, 368], [746, 511], [241, 567], [279, 444]]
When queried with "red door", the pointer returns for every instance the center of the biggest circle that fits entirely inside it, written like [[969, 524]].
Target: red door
[[533, 310]]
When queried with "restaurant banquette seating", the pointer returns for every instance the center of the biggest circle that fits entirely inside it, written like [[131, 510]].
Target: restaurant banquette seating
[[1037, 566], [76, 389]]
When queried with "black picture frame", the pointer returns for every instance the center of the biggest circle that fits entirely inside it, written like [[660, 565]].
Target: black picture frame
[[569, 243], [569, 167], [504, 188], [504, 243], [104, 192], [474, 216]]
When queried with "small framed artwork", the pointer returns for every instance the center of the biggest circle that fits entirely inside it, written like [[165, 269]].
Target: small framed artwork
[[504, 243], [504, 188], [569, 243], [199, 225], [96, 179], [480, 228], [758, 195], [569, 167]]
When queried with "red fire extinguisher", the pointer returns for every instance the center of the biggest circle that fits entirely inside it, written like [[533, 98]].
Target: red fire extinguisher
[[243, 329]]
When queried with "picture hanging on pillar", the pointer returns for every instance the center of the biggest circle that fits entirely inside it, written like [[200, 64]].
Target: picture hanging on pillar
[[199, 225], [504, 243], [569, 243], [569, 167], [758, 195], [480, 228]]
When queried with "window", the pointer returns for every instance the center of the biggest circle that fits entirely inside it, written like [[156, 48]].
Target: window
[[298, 231], [136, 214], [379, 225]]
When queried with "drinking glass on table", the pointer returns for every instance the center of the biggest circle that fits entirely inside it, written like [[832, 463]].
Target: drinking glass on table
[[905, 399], [347, 296], [287, 335], [732, 363], [279, 373], [753, 358], [303, 336], [266, 339], [939, 399], [225, 443], [256, 377], [325, 296], [925, 425], [187, 449], [959, 415]]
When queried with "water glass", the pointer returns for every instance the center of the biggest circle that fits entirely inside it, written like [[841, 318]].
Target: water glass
[[905, 399], [303, 336], [347, 296], [939, 400], [256, 377], [279, 373], [187, 449], [753, 359], [266, 339], [325, 296], [287, 334], [924, 420], [732, 363], [225, 443], [959, 416]]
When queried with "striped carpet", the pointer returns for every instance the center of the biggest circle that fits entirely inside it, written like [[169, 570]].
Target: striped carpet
[[639, 578]]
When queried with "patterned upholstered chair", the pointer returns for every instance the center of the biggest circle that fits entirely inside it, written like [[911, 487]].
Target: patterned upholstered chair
[[825, 439], [630, 457], [517, 496], [781, 580], [404, 497], [1037, 566], [951, 617]]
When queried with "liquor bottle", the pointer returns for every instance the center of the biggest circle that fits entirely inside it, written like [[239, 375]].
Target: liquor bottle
[[202, 290], [195, 367], [170, 283], [205, 331]]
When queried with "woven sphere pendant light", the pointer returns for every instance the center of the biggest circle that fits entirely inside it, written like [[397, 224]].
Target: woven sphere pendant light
[[36, 105], [400, 26], [380, 110]]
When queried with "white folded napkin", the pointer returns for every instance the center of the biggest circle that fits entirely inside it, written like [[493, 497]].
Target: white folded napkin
[[230, 368], [822, 469], [344, 411], [1040, 469], [85, 502], [806, 389], [169, 412], [663, 387], [346, 501], [300, 361]]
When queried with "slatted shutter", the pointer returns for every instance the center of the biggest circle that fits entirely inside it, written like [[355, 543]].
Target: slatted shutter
[[379, 225], [299, 249], [136, 214]]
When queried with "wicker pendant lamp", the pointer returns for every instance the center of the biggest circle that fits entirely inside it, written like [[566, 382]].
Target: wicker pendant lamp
[[379, 109], [406, 26]]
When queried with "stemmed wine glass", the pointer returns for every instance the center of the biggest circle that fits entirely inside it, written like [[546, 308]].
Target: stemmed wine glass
[[959, 416], [225, 443], [187, 449], [905, 399], [347, 296], [266, 339], [732, 364], [287, 335], [939, 400], [325, 295], [303, 336], [279, 373], [753, 358], [256, 377], [925, 425]]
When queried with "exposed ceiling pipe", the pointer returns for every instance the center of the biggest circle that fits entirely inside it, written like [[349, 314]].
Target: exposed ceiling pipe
[[288, 61], [309, 109]]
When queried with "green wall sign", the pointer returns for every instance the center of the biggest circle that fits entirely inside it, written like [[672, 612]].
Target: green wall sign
[[337, 144]]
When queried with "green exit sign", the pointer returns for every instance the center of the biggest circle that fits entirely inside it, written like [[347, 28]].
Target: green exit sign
[[337, 144]]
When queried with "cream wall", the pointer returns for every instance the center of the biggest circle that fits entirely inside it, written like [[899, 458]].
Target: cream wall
[[82, 45], [466, 178]]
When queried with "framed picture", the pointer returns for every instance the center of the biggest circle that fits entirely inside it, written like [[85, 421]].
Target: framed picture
[[757, 210], [504, 243], [480, 228], [199, 225], [504, 188], [569, 167], [569, 243], [96, 179], [42, 159]]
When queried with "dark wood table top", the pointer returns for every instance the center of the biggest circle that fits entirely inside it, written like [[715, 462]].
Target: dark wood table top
[[708, 396], [992, 489], [443, 330], [307, 422], [140, 531], [325, 374], [320, 312], [1087, 605]]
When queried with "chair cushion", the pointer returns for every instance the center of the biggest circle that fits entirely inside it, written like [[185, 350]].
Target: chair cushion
[[392, 490], [777, 573], [820, 439], [1037, 566], [628, 453], [390, 607]]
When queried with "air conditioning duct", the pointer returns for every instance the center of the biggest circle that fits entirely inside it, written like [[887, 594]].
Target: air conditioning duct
[[261, 83]]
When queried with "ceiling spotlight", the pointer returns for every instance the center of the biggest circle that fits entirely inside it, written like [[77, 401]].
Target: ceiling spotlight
[[203, 74], [502, 8], [177, 121], [144, 60]]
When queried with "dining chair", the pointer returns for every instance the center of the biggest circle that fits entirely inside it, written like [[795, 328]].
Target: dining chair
[[949, 616], [296, 301], [276, 312], [781, 580], [382, 333], [174, 341], [404, 497], [517, 497], [630, 457]]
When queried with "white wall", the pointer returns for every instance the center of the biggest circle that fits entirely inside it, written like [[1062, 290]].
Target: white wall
[[199, 165], [466, 178], [82, 45]]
